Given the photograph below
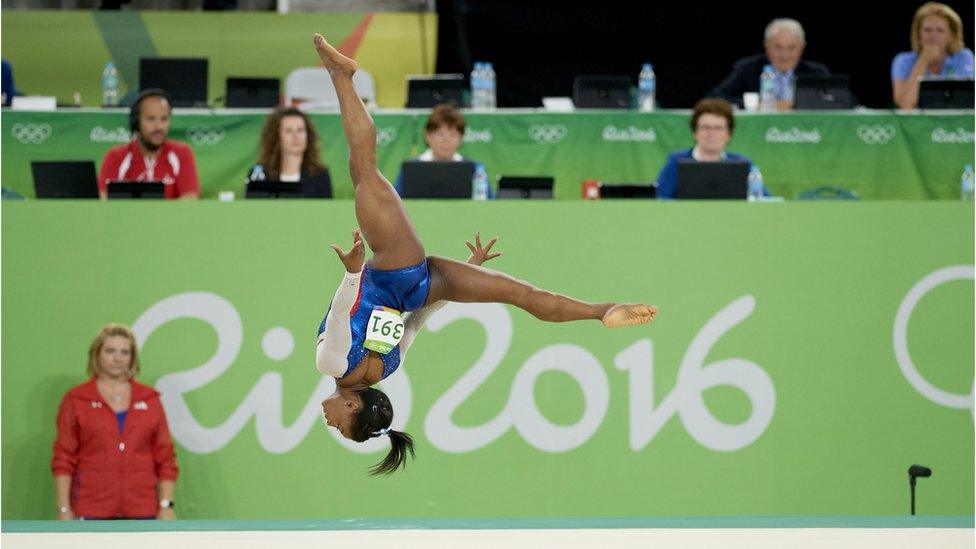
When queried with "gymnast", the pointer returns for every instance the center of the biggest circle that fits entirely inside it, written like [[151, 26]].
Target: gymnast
[[382, 303]]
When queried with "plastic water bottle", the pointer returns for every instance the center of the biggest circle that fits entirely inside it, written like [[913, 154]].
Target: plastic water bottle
[[478, 99], [491, 97], [479, 184], [755, 184], [257, 173], [646, 88], [966, 185], [110, 85], [767, 89]]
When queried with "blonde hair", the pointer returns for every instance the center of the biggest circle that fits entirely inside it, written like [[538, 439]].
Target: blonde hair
[[945, 12], [113, 330]]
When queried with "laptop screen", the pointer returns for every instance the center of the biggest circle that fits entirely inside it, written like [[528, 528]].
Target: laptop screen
[[64, 179], [434, 179], [712, 180]]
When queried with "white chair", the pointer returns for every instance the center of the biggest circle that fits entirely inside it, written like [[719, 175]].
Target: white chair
[[311, 88]]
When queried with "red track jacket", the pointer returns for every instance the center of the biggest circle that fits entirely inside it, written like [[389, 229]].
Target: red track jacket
[[114, 474]]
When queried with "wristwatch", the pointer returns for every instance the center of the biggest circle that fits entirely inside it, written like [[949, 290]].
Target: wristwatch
[[166, 504]]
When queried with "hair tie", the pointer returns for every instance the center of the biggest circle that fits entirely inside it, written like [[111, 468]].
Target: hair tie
[[382, 432], [374, 408]]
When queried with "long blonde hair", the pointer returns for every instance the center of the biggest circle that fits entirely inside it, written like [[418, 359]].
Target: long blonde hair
[[106, 332], [945, 12]]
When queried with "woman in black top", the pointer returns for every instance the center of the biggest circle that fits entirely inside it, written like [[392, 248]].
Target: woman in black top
[[290, 152]]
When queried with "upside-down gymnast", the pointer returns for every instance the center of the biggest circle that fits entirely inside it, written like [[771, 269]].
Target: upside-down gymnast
[[382, 303]]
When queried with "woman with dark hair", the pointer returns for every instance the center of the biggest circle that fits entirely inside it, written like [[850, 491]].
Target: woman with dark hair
[[712, 124], [290, 152], [382, 303], [444, 135]]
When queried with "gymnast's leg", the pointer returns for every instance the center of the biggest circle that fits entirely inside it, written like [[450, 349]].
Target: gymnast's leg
[[381, 216], [456, 281]]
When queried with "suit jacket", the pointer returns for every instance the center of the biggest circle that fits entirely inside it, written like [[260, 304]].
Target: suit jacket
[[745, 76]]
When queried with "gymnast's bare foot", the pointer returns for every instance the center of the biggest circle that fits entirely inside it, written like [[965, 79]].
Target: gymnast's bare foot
[[629, 314], [332, 59]]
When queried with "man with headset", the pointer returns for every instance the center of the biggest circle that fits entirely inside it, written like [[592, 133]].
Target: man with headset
[[150, 156]]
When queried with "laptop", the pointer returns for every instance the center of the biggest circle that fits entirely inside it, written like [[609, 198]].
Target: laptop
[[823, 92], [424, 92], [602, 92], [627, 190], [273, 189], [64, 179], [712, 180], [135, 189], [253, 93], [437, 179], [945, 94], [524, 187], [184, 79]]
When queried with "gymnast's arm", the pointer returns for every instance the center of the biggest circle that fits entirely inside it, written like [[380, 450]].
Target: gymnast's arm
[[334, 343]]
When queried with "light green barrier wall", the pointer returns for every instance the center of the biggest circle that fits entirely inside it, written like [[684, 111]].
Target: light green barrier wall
[[771, 384], [877, 154]]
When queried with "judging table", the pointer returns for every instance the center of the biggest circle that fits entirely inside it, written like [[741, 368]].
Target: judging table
[[878, 154]]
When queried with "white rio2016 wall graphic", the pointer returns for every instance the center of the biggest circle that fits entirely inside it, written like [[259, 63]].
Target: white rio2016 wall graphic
[[263, 401], [520, 412]]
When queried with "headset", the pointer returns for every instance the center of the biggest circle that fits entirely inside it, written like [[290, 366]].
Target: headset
[[134, 107]]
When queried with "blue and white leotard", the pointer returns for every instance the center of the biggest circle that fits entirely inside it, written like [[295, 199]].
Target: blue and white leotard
[[343, 330]]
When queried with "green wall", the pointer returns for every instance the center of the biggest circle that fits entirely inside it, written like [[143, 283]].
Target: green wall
[[771, 383]]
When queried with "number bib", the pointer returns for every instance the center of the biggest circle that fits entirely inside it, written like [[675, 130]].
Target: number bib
[[384, 330]]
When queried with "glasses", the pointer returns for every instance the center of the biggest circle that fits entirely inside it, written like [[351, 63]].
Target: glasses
[[710, 128]]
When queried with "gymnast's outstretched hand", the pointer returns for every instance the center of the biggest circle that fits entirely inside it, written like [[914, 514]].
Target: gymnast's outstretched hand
[[480, 254], [356, 256]]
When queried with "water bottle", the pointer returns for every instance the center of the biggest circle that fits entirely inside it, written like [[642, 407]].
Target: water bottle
[[767, 89], [479, 184], [257, 173], [110, 85], [478, 87], [755, 184], [491, 97], [966, 185], [646, 87]]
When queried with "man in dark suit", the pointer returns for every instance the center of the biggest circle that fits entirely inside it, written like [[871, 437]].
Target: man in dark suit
[[784, 43]]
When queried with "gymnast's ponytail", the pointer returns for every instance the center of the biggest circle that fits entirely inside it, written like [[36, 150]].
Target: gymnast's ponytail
[[373, 420]]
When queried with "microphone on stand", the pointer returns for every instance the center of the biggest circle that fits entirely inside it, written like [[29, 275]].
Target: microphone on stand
[[914, 472]]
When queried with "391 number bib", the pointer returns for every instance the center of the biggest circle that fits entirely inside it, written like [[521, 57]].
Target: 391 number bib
[[384, 331]]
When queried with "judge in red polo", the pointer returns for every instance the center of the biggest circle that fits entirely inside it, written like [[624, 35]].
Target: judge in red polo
[[150, 156]]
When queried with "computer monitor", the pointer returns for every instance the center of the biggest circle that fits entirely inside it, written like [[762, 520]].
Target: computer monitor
[[437, 179], [184, 79], [64, 179], [273, 189], [712, 180], [945, 94], [424, 92], [135, 189], [602, 92], [823, 92], [627, 190], [525, 187], [253, 93]]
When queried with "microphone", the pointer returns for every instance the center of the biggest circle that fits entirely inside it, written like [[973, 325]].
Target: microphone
[[919, 471], [914, 472]]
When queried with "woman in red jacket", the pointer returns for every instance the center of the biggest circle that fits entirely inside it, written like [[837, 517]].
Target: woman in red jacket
[[113, 457]]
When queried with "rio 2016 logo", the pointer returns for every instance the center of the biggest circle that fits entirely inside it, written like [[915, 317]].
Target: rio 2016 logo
[[264, 400]]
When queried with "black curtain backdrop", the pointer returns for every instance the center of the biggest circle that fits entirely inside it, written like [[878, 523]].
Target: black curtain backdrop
[[537, 47]]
